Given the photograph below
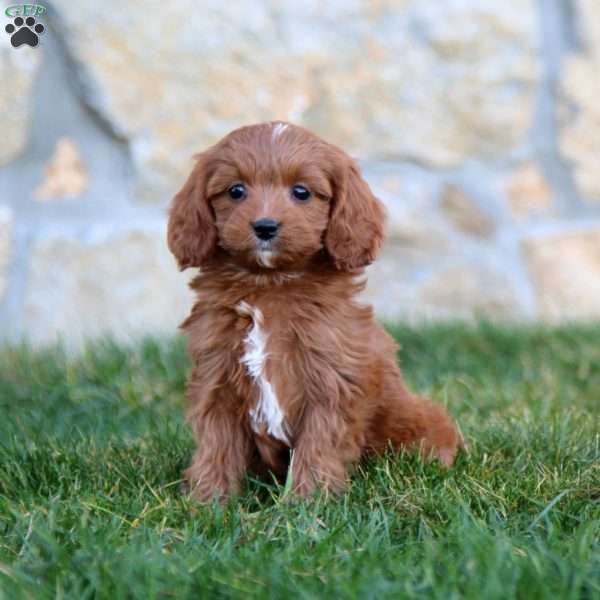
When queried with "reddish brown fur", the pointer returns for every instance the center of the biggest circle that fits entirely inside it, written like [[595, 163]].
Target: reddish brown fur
[[332, 366]]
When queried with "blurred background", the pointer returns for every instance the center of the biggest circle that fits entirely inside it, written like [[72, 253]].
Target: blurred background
[[476, 122]]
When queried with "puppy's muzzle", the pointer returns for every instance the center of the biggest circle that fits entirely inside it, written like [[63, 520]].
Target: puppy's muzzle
[[265, 229]]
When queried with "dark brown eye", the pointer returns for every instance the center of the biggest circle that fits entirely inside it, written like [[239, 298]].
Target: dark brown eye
[[299, 192], [237, 192]]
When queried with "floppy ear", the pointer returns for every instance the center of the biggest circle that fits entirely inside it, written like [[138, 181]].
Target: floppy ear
[[356, 223], [191, 232]]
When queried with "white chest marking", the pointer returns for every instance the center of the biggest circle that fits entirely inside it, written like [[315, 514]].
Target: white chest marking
[[267, 410]]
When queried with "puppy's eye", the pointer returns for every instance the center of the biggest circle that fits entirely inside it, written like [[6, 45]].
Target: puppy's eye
[[237, 191], [299, 192]]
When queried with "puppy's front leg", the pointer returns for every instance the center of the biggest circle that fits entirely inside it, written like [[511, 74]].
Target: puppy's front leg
[[323, 452], [222, 456]]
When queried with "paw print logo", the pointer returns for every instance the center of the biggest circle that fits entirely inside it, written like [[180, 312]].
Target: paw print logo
[[24, 31]]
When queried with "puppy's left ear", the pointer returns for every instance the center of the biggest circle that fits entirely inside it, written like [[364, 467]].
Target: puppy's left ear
[[356, 223]]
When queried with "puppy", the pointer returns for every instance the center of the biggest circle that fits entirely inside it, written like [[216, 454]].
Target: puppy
[[287, 363]]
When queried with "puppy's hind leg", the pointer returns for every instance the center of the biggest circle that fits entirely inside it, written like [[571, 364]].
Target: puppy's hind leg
[[414, 422]]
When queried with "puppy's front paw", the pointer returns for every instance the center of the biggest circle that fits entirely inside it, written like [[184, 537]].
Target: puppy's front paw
[[206, 489], [205, 494], [309, 478]]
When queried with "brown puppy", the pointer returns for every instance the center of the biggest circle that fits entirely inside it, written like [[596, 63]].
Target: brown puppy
[[282, 224]]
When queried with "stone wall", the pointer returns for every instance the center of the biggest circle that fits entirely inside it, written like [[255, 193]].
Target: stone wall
[[477, 123]]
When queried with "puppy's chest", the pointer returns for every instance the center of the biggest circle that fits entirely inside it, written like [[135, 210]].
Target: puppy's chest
[[267, 412]]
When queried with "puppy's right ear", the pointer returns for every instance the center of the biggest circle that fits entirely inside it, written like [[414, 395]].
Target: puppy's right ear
[[191, 232]]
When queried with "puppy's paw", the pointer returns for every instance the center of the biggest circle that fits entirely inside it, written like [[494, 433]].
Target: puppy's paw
[[443, 438], [446, 456], [205, 490], [202, 495], [307, 480]]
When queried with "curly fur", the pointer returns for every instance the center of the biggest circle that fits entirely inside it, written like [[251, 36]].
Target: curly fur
[[284, 356]]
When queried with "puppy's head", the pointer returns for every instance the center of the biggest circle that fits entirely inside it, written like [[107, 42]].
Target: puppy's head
[[273, 196]]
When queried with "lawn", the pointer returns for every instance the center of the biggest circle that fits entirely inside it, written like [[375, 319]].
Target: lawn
[[92, 447]]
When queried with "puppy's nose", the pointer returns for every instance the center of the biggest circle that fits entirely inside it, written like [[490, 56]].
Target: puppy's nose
[[265, 229]]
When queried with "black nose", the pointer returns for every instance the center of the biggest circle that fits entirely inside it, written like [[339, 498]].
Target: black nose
[[265, 229]]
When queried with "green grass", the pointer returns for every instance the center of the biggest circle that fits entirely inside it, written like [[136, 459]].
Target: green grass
[[92, 447]]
